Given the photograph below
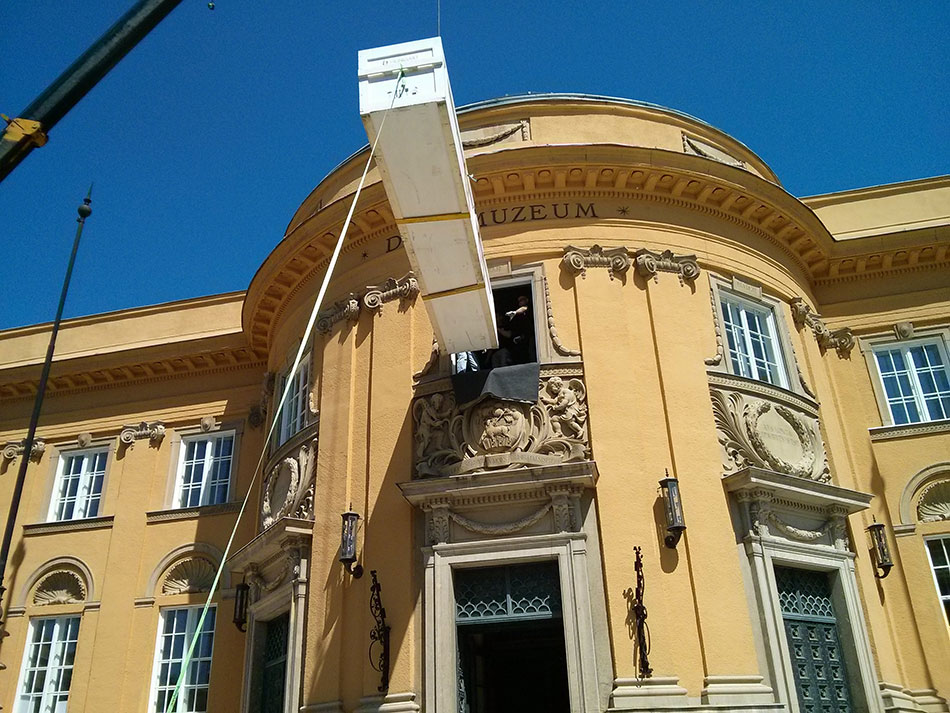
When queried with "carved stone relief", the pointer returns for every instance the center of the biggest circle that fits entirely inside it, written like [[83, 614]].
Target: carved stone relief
[[189, 576], [405, 288], [768, 516], [494, 434], [767, 433], [577, 260], [720, 352], [288, 487], [904, 330], [934, 502], [499, 133], [347, 308], [154, 432], [841, 340], [650, 263], [12, 449], [60, 587], [84, 440]]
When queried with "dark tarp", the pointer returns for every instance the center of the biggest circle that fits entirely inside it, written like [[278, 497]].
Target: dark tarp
[[511, 383]]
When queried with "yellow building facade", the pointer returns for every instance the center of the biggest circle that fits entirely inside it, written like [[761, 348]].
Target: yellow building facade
[[784, 359]]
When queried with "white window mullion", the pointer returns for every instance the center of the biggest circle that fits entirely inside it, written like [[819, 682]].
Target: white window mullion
[[747, 341], [206, 473], [916, 386]]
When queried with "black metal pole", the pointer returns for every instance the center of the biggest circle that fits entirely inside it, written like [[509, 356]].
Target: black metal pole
[[83, 74], [84, 212]]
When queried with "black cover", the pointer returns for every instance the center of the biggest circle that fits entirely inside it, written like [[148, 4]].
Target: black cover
[[511, 383]]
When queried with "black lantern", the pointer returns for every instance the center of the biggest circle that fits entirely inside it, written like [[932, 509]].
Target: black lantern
[[348, 543], [675, 523], [880, 550], [241, 593]]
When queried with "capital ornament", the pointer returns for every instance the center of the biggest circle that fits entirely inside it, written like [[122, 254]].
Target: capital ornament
[[841, 340], [577, 260], [154, 432], [649, 263], [348, 308], [12, 449], [404, 288]]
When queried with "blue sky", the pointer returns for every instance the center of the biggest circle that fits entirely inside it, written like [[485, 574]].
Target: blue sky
[[206, 137]]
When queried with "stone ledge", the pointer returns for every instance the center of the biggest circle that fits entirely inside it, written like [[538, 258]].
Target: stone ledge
[[886, 433], [187, 513], [49, 528]]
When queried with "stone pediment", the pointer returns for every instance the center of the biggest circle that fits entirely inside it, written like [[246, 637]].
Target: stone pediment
[[784, 507], [527, 501]]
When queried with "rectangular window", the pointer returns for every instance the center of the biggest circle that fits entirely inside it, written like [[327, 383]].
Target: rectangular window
[[77, 490], [204, 470], [939, 551], [293, 416], [48, 665], [176, 629], [915, 381], [754, 350], [514, 317]]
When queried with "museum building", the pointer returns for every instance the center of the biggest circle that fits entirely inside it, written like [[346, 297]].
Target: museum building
[[708, 469]]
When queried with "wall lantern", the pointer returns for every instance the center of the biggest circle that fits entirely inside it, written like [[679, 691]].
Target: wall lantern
[[241, 593], [675, 523], [880, 550], [348, 543]]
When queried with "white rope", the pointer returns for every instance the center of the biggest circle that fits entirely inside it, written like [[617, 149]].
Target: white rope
[[186, 662]]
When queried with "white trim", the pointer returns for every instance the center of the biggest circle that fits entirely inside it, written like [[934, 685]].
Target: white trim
[[570, 552], [941, 598], [83, 495], [18, 705], [211, 439], [191, 624]]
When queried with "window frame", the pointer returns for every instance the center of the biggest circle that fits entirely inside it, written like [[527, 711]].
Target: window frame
[[210, 437], [299, 397], [747, 293], [942, 599], [194, 613], [904, 346], [65, 457], [19, 705]]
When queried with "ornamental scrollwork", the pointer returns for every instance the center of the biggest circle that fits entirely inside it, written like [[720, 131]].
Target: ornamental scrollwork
[[404, 288], [347, 308], [154, 432], [649, 264], [552, 330], [12, 449], [757, 433], [288, 487], [841, 340], [493, 434], [934, 502], [577, 260]]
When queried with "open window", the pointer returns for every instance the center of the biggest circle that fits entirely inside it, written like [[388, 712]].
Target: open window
[[515, 308]]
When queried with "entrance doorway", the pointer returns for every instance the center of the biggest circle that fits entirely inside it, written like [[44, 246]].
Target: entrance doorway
[[811, 630], [511, 640]]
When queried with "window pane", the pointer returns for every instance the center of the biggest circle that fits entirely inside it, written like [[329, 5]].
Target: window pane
[[47, 664], [179, 625]]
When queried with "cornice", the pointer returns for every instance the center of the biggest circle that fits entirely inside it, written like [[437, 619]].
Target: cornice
[[138, 373], [511, 175]]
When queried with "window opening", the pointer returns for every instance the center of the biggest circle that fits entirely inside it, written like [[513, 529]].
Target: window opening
[[754, 350], [48, 665], [814, 646], [514, 316], [510, 630], [274, 664], [938, 550], [204, 471], [176, 630], [78, 488], [293, 416], [916, 382]]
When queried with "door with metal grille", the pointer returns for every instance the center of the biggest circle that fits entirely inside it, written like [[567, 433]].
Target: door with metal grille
[[814, 646], [274, 664], [510, 639]]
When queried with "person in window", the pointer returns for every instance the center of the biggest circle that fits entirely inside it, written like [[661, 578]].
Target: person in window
[[514, 335]]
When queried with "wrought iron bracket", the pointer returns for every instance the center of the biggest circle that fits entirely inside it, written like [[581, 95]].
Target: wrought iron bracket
[[640, 618], [379, 636]]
